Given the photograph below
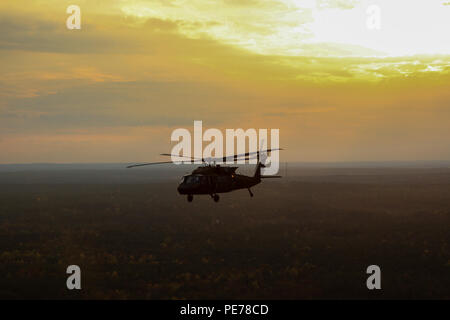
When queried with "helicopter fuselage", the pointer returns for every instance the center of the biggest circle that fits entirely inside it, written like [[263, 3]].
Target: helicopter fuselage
[[213, 184], [212, 180]]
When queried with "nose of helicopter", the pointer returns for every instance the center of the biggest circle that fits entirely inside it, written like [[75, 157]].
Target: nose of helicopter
[[182, 188]]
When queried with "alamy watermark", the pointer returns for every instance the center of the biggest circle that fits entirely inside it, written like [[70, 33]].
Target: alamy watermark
[[374, 280], [237, 141], [74, 20], [373, 21], [74, 280]]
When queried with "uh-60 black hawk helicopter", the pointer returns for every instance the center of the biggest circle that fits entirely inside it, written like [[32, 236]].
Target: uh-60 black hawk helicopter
[[212, 179]]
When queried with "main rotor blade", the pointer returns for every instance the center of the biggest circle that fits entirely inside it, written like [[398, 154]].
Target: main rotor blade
[[234, 157], [149, 164], [237, 156], [178, 156], [208, 160]]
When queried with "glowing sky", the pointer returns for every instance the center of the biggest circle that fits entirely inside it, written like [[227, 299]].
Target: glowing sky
[[114, 90]]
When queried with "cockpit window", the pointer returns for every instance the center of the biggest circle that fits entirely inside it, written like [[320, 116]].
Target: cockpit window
[[193, 179]]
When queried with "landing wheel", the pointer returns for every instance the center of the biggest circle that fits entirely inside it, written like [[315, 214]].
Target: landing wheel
[[216, 198], [190, 197]]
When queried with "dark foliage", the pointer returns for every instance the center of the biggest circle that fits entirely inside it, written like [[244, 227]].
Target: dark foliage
[[311, 235]]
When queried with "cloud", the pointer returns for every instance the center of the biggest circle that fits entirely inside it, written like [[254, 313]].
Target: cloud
[[341, 4], [261, 26], [120, 104], [139, 68], [26, 32]]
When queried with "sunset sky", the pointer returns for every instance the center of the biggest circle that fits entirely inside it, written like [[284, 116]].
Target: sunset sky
[[138, 69]]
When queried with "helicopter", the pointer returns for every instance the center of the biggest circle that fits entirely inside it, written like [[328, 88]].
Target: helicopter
[[212, 179]]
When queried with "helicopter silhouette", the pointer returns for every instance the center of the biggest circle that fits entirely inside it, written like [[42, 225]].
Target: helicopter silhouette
[[212, 179]]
